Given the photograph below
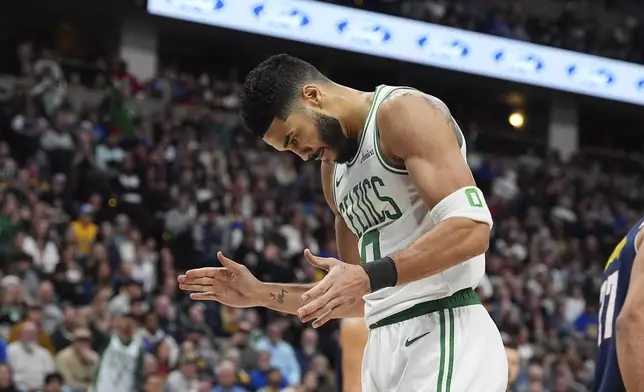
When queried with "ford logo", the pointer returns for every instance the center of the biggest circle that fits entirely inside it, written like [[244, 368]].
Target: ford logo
[[640, 84], [364, 33], [199, 5], [448, 48], [520, 62], [591, 76], [281, 15]]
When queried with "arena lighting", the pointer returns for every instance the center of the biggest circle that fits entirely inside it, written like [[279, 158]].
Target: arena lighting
[[358, 30], [517, 120]]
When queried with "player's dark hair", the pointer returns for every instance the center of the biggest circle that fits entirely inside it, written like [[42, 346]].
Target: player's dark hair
[[272, 88]]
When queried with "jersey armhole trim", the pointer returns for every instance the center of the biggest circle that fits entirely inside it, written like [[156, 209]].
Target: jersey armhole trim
[[386, 163], [335, 202]]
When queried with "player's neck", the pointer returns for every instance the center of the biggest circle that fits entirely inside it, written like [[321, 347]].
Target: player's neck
[[355, 107]]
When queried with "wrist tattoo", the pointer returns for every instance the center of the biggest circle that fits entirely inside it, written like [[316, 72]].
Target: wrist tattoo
[[279, 297]]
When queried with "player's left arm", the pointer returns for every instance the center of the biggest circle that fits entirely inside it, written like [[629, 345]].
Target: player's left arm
[[630, 326], [422, 135]]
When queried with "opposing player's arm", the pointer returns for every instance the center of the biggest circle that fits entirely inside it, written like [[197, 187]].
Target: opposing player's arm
[[630, 326], [421, 135]]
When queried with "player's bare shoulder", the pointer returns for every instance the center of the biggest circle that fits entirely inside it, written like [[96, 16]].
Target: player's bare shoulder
[[410, 119]]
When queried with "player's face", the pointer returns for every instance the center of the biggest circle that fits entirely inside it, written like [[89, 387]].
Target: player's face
[[312, 134]]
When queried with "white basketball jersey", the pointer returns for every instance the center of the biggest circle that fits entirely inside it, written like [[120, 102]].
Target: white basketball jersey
[[117, 367], [382, 207]]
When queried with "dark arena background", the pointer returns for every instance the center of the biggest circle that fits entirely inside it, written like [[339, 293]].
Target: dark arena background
[[123, 164]]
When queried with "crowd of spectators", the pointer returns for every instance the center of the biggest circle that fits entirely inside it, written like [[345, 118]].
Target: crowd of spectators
[[103, 206], [571, 29]]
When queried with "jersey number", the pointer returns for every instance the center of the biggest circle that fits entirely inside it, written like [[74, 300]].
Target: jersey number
[[607, 295], [370, 246]]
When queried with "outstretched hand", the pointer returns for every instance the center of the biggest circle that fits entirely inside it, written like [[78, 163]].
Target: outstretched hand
[[231, 285], [342, 288]]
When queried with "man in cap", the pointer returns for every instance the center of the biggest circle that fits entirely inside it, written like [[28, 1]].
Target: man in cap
[[76, 363]]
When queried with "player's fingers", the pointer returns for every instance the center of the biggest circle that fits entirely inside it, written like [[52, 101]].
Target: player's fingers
[[228, 263], [318, 262], [203, 296], [315, 292], [201, 281], [334, 303], [203, 272], [195, 287], [315, 305], [326, 317]]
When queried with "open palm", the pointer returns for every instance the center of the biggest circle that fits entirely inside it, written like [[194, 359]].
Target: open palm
[[232, 285]]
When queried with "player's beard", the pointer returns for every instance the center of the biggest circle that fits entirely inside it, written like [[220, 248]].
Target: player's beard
[[332, 134]]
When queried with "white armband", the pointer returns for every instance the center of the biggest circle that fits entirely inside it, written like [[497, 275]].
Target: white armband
[[466, 202]]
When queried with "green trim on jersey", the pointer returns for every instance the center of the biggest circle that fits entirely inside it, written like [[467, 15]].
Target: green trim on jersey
[[335, 201], [366, 124], [447, 352], [393, 167], [459, 299]]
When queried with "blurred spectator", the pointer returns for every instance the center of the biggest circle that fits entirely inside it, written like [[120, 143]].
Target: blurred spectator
[[63, 336], [227, 378], [77, 362], [6, 379], [41, 248], [153, 383], [275, 381], [308, 348], [241, 341], [54, 383], [52, 315], [130, 291], [29, 362], [122, 357], [51, 86], [58, 144], [282, 353], [84, 231], [152, 335], [260, 377], [184, 378], [34, 320], [109, 154], [321, 368]]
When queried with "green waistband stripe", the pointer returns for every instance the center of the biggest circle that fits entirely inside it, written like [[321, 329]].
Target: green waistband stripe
[[459, 299]]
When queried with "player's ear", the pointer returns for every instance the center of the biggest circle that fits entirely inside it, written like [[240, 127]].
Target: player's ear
[[312, 95]]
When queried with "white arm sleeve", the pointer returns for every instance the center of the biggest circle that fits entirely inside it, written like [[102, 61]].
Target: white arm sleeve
[[466, 202]]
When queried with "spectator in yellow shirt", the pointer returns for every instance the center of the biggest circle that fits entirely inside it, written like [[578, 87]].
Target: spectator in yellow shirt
[[84, 230]]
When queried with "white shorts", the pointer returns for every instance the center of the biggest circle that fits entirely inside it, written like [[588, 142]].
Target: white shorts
[[446, 345]]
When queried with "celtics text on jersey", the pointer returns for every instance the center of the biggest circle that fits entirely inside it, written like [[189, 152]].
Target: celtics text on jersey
[[383, 208]]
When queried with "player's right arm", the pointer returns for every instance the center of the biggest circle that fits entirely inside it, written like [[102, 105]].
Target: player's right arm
[[630, 325], [235, 286]]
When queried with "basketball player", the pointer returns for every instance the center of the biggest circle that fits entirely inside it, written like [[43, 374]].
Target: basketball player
[[620, 357], [353, 339], [412, 229]]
